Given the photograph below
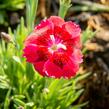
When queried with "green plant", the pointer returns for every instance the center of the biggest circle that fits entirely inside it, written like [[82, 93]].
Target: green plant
[[64, 6], [9, 5], [21, 87], [87, 35]]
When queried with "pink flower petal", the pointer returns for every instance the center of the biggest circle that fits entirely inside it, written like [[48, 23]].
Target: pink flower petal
[[57, 21], [77, 56], [39, 67], [52, 70], [54, 66], [75, 42], [62, 34], [70, 69], [40, 34], [30, 53], [67, 38], [35, 53], [61, 65], [44, 23], [31, 39], [54, 48], [72, 29]]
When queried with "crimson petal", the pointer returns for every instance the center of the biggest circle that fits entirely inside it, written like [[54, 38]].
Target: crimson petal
[[35, 53], [57, 21], [70, 69], [65, 58], [77, 56], [52, 70], [30, 53], [72, 29], [39, 67], [41, 33]]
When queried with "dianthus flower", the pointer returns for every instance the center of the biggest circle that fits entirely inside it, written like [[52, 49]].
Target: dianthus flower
[[54, 48]]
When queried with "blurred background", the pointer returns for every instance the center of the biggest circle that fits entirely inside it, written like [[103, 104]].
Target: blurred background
[[89, 14]]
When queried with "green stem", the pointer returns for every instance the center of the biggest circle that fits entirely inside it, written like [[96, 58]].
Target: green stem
[[63, 10], [64, 6]]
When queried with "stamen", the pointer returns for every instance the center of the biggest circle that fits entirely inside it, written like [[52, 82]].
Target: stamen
[[55, 46], [61, 46], [52, 38], [46, 73]]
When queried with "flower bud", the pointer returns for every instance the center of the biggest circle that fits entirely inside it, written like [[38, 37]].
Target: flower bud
[[6, 37]]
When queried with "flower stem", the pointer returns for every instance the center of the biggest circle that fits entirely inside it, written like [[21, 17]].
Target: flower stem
[[64, 6]]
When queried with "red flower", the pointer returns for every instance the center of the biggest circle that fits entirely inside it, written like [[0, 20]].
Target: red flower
[[54, 48]]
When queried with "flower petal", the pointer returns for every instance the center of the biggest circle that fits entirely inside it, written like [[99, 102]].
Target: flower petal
[[68, 66], [72, 29], [30, 53], [52, 70], [70, 69], [54, 66], [44, 23], [75, 42], [54, 48], [35, 53], [61, 65], [41, 33], [77, 56], [39, 67], [57, 21]]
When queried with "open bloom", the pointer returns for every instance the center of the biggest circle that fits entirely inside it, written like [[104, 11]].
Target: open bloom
[[54, 48]]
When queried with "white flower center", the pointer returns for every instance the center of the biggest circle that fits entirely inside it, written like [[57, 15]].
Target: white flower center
[[55, 46]]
